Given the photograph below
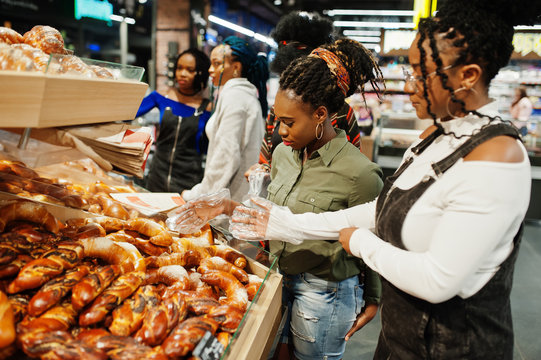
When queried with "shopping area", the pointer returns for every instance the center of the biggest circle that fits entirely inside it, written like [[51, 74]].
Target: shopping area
[[91, 264]]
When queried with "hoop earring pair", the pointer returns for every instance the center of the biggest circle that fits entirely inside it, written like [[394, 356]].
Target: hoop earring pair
[[454, 92], [322, 130]]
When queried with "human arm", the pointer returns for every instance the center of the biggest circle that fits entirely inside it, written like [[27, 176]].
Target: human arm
[[149, 102], [473, 235]]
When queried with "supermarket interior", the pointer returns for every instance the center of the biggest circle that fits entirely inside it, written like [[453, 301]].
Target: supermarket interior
[[134, 135]]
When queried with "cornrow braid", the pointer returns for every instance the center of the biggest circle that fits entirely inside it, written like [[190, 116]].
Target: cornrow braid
[[482, 31], [311, 79]]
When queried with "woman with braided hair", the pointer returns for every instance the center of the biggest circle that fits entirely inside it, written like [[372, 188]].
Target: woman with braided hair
[[445, 231], [236, 127], [316, 169]]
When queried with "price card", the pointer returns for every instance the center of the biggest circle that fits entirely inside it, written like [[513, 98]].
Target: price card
[[209, 348]]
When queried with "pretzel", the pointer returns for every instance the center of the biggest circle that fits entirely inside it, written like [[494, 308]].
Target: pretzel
[[227, 316], [125, 255], [187, 258], [169, 275]]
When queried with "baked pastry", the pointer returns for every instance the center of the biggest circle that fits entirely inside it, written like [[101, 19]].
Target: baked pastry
[[39, 58], [45, 38], [10, 36], [15, 59]]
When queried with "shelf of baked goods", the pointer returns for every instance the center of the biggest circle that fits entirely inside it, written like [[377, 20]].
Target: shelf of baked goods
[[58, 210], [75, 285], [43, 85]]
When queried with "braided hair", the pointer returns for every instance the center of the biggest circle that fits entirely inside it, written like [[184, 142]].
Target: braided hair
[[481, 30], [303, 31], [312, 80], [202, 65], [254, 67]]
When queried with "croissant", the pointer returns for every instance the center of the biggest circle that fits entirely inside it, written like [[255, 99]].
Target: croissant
[[29, 211], [187, 258], [254, 283], [111, 297], [111, 207], [158, 234], [124, 254], [17, 168], [7, 322], [92, 285], [54, 290], [45, 38], [227, 316], [187, 335], [236, 294], [10, 36], [52, 263], [128, 317], [169, 275], [143, 245], [217, 263], [228, 254]]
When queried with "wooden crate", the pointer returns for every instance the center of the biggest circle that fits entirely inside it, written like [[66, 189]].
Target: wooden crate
[[39, 100]]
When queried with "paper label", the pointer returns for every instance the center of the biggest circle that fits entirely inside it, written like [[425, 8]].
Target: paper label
[[209, 348], [150, 203]]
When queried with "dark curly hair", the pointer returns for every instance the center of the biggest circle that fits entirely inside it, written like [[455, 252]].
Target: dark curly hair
[[482, 30], [301, 27], [202, 65], [311, 78]]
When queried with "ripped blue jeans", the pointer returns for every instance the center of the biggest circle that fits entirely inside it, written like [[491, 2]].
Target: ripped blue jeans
[[320, 313]]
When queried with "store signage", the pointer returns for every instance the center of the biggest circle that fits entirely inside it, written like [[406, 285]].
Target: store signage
[[526, 43], [96, 9], [209, 348]]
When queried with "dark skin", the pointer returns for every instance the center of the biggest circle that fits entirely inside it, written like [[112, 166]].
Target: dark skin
[[184, 76]]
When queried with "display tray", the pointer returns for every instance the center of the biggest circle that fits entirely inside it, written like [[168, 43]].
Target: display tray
[[45, 100], [255, 335]]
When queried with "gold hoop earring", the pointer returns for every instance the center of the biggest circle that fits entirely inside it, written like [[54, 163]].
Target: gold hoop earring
[[454, 92], [235, 73], [322, 130]]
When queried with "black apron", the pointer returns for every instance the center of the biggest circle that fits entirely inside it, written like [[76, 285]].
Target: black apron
[[479, 327], [176, 164]]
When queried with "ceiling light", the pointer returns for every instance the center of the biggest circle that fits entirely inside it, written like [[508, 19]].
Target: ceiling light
[[366, 39], [375, 24], [277, 2], [370, 12], [127, 20], [242, 30], [534, 27], [361, 32]]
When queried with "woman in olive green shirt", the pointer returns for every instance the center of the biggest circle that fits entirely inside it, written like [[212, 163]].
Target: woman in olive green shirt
[[315, 169]]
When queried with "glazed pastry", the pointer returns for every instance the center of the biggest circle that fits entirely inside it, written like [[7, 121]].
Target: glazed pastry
[[236, 294], [29, 211], [46, 38], [227, 316], [225, 252], [7, 322], [10, 36], [86, 290], [218, 263], [129, 317], [158, 234], [187, 335]]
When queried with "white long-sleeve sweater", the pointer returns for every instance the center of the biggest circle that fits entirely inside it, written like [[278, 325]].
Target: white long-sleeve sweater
[[235, 132], [456, 235]]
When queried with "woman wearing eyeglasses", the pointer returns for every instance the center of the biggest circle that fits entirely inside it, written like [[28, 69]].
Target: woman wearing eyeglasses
[[445, 231]]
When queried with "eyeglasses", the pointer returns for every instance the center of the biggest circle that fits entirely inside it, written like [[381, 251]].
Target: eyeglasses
[[412, 80]]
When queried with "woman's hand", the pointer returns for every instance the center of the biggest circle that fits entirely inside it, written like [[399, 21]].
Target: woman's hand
[[366, 315], [256, 167], [191, 216], [250, 223], [345, 235]]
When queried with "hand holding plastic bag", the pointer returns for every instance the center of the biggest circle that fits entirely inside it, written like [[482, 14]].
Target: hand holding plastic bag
[[250, 223], [191, 216]]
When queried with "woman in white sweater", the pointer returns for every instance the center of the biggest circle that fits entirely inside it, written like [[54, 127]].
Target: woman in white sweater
[[235, 129], [445, 230]]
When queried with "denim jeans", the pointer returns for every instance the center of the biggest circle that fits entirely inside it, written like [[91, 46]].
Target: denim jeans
[[320, 313]]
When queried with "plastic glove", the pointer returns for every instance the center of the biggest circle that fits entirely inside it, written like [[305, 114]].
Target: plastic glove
[[250, 223], [191, 216], [258, 180]]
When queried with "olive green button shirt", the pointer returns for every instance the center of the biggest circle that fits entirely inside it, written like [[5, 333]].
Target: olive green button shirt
[[335, 177]]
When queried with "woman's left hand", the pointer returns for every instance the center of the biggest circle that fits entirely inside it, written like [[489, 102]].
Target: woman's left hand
[[363, 318], [345, 235]]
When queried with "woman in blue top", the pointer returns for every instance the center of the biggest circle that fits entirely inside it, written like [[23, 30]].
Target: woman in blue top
[[184, 112]]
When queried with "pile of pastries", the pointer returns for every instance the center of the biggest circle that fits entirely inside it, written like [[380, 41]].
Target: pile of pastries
[[106, 288], [31, 52], [17, 178]]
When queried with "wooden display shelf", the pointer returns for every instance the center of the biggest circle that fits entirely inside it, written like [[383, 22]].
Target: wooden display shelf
[[40, 100]]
